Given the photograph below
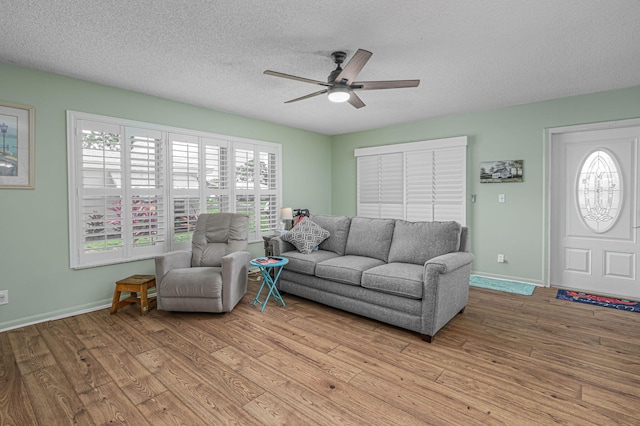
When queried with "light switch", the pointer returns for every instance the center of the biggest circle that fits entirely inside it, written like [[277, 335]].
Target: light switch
[[501, 198], [473, 198]]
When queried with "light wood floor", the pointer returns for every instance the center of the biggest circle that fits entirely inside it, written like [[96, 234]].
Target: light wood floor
[[508, 359]]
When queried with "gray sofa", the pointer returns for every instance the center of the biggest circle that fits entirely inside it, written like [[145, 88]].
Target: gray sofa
[[413, 275]]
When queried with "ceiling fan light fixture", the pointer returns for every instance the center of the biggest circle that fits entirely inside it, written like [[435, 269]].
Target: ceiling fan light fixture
[[338, 94]]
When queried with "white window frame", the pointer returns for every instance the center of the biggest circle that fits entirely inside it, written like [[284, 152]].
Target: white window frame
[[384, 197], [80, 258]]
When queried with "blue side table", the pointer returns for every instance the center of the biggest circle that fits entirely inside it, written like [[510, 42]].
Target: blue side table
[[265, 264]]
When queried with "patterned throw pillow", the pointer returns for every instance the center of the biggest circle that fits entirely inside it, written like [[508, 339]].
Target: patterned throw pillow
[[306, 235]]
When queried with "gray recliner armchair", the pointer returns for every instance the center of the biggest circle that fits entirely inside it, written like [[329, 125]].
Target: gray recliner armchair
[[212, 277]]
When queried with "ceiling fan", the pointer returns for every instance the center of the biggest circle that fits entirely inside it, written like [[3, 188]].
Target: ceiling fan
[[340, 84]]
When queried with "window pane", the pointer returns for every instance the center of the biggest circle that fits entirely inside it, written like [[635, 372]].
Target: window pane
[[185, 215], [146, 162], [102, 223], [147, 221], [244, 169], [216, 163], [217, 204], [268, 213], [599, 192], [185, 167], [245, 204], [101, 159]]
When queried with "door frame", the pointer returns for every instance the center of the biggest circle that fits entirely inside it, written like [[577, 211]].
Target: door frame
[[550, 133]]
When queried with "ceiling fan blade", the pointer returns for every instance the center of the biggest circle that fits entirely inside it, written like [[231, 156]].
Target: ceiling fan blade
[[293, 77], [311, 95], [355, 101], [355, 65], [377, 85]]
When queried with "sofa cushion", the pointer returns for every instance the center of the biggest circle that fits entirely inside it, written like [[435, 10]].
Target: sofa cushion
[[346, 269], [400, 279], [370, 237], [306, 235], [200, 282], [338, 227], [417, 242], [306, 263]]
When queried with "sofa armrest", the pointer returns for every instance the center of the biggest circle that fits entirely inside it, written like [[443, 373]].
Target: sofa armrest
[[448, 262], [445, 290], [235, 270], [172, 260], [279, 246]]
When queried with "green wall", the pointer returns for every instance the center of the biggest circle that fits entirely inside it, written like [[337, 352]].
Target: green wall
[[517, 227], [34, 259]]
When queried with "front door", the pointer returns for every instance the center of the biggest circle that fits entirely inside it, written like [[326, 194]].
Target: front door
[[593, 211]]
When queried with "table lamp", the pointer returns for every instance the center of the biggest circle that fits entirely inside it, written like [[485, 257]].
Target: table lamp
[[286, 215]]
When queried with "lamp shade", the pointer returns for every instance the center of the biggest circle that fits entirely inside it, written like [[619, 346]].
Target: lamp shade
[[286, 213], [339, 94]]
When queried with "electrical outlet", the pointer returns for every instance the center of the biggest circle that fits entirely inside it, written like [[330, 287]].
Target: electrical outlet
[[501, 258], [4, 297]]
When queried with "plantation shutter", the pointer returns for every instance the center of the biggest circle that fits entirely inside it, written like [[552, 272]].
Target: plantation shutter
[[136, 189], [185, 187], [216, 172], [418, 181], [449, 186], [144, 184], [268, 190], [245, 178], [420, 178], [100, 192], [381, 186]]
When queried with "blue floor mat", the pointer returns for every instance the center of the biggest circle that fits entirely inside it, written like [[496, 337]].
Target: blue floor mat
[[502, 285]]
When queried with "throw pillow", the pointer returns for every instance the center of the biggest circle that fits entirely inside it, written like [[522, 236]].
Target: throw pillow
[[306, 235]]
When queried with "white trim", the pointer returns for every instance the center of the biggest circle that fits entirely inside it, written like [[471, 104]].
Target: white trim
[[412, 146], [42, 319], [161, 127]]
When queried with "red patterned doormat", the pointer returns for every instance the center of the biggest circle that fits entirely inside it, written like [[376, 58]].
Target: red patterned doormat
[[592, 299]]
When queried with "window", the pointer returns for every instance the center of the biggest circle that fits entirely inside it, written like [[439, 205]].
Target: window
[[599, 192], [136, 189], [414, 181]]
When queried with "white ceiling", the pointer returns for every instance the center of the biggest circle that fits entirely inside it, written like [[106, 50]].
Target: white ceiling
[[470, 55]]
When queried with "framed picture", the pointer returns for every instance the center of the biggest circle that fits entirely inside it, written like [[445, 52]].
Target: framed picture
[[17, 156], [501, 171]]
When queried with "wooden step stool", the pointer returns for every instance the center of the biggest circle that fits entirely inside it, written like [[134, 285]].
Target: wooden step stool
[[134, 284]]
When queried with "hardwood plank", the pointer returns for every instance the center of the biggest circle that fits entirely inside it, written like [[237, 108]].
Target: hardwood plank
[[229, 382], [116, 327], [82, 370], [328, 329], [137, 383], [336, 368], [107, 404], [269, 409], [496, 365], [415, 394], [204, 399], [309, 339], [369, 408], [30, 350], [167, 409], [529, 410], [313, 406], [53, 398], [15, 404]]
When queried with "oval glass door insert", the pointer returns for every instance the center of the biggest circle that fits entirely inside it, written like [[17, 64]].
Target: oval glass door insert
[[599, 191]]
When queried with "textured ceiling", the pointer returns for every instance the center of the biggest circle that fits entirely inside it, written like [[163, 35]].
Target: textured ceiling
[[470, 55]]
